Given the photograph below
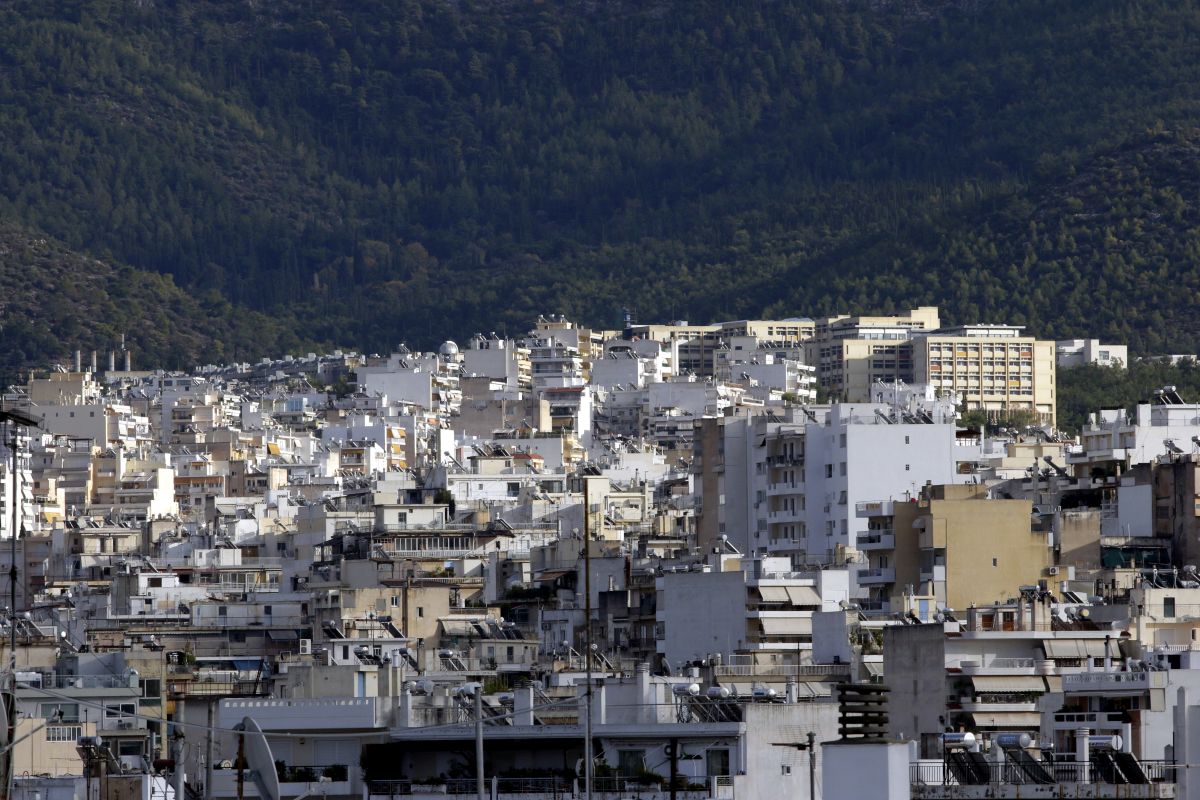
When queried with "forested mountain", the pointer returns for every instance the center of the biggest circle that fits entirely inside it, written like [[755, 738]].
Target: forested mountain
[[370, 171]]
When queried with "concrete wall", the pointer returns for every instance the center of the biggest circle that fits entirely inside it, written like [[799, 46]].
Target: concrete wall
[[914, 665], [703, 612]]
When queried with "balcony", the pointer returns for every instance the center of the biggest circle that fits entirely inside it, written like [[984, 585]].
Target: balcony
[[978, 706], [936, 573], [876, 576], [875, 509], [877, 540], [1107, 682], [355, 713], [1002, 666]]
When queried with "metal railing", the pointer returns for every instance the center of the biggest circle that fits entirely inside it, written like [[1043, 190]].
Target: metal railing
[[288, 773], [203, 688], [764, 670], [52, 681], [1046, 772], [623, 785]]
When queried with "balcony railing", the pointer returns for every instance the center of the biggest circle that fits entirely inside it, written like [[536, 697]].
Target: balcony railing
[[52, 681], [877, 575], [552, 786], [1053, 772], [877, 540]]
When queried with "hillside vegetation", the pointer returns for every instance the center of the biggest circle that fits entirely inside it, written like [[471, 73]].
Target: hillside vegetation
[[368, 172]]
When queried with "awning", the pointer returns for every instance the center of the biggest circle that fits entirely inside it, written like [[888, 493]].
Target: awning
[[456, 627], [1074, 648], [773, 594], [1008, 720], [553, 574], [283, 636], [803, 596], [873, 667], [786, 626], [248, 664], [812, 689], [1008, 683]]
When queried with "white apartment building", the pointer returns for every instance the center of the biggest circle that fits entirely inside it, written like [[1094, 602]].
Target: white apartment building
[[499, 359], [790, 486], [427, 380], [1077, 352], [1112, 440]]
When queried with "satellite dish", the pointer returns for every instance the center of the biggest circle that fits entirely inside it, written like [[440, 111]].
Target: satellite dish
[[227, 764]]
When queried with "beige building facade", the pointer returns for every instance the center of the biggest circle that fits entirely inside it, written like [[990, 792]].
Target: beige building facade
[[953, 544], [993, 368]]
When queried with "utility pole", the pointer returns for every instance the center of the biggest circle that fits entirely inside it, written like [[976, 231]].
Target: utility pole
[[811, 747], [812, 766], [587, 636], [208, 755], [241, 767], [479, 742], [14, 419]]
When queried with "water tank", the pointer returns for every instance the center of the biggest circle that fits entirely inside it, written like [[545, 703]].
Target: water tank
[[958, 739], [448, 349], [1014, 741], [1103, 742], [717, 692], [686, 689]]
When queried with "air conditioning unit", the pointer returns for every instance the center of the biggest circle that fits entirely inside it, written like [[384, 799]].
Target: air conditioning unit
[[306, 647], [1052, 570]]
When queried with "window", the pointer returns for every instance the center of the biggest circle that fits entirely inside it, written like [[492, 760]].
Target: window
[[829, 470], [631, 762], [420, 612], [222, 611], [152, 687], [70, 711], [395, 601], [266, 611], [995, 562], [1168, 607], [119, 710], [718, 762], [514, 489], [906, 440], [63, 733], [129, 747]]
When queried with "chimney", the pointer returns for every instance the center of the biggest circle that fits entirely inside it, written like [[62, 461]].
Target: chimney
[[645, 698], [112, 360], [79, 361], [94, 363], [128, 361]]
